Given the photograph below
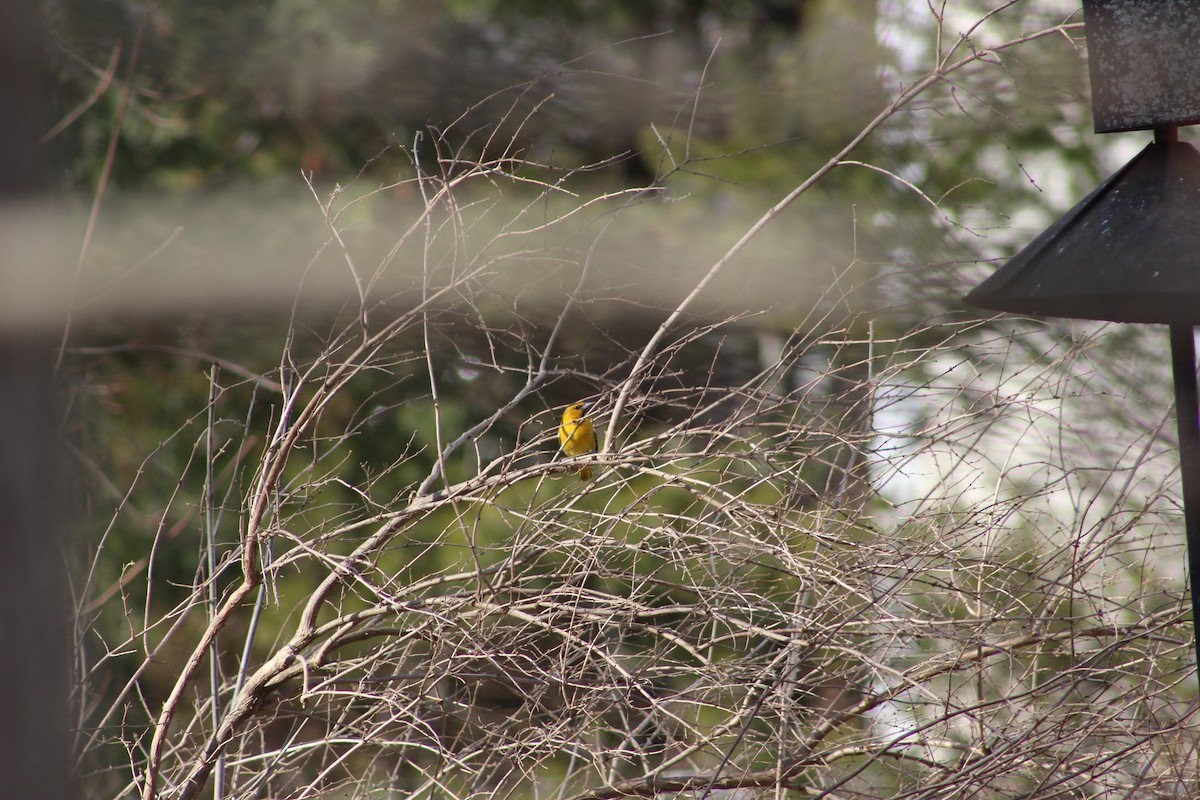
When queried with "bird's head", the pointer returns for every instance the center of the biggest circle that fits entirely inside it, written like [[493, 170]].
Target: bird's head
[[575, 411]]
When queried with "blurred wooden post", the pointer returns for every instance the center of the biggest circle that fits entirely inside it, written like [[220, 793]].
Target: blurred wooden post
[[35, 628]]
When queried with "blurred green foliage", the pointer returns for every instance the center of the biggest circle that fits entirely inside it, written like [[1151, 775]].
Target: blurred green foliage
[[234, 91]]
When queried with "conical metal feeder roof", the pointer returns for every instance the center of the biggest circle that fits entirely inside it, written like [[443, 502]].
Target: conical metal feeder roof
[[1129, 252]]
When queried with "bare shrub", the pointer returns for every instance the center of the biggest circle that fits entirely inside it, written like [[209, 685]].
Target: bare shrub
[[847, 545]]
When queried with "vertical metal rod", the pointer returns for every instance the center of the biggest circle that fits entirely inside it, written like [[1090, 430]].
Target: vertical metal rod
[[1166, 133], [1187, 417]]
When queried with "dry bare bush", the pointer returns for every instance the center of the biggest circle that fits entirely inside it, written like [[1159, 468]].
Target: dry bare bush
[[931, 558]]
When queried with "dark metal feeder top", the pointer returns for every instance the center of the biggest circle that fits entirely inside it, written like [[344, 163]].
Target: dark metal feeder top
[[1141, 56], [1129, 252]]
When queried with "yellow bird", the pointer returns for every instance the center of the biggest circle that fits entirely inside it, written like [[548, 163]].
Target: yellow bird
[[577, 436]]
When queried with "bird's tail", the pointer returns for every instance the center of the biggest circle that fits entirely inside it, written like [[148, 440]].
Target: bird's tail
[[585, 474]]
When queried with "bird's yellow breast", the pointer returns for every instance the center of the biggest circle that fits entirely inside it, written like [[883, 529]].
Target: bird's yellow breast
[[576, 434]]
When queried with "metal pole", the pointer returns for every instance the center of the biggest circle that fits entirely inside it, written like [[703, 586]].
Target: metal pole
[[1187, 416]]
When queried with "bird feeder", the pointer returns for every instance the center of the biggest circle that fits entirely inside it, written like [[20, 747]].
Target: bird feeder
[[1130, 251]]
